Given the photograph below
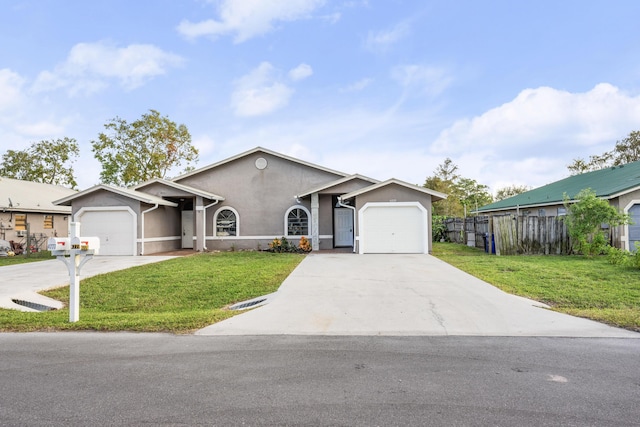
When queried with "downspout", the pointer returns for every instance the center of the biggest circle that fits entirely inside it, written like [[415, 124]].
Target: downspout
[[142, 240], [353, 209], [204, 223]]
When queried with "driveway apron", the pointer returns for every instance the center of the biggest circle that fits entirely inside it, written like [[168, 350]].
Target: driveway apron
[[347, 294]]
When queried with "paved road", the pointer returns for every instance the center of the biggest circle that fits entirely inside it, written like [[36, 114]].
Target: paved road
[[23, 281], [346, 294], [87, 379]]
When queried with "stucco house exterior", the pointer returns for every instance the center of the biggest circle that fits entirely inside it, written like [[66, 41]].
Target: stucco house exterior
[[27, 208], [620, 185], [247, 200]]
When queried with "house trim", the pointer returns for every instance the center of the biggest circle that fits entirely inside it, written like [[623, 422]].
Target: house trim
[[625, 239]]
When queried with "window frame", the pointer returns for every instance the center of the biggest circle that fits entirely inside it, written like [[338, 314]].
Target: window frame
[[215, 223], [286, 221], [48, 222]]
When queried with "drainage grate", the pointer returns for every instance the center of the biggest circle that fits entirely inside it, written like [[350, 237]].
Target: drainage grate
[[33, 305], [243, 305]]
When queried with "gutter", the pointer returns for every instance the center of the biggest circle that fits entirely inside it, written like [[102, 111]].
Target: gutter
[[142, 234], [353, 209]]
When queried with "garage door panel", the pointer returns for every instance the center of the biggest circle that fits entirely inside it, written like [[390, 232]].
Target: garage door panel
[[393, 229], [113, 228]]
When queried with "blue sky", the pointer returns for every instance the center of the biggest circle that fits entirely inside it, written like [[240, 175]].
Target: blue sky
[[511, 91]]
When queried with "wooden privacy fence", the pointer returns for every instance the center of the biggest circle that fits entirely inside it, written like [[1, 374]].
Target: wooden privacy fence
[[511, 235]]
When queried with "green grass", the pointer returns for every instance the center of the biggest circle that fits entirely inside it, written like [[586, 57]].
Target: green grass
[[577, 285], [21, 259], [179, 295]]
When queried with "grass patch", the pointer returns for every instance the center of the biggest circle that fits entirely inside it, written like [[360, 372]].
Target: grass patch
[[178, 295], [577, 285], [21, 259]]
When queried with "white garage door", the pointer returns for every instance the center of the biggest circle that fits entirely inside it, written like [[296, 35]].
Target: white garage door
[[393, 228], [114, 228]]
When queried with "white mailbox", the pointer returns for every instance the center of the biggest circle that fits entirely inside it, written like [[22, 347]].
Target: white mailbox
[[58, 244], [86, 244]]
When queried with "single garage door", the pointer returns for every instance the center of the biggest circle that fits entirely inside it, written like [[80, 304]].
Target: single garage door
[[114, 228], [393, 228]]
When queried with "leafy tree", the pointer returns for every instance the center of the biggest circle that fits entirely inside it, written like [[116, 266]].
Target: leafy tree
[[47, 161], [625, 151], [147, 148], [585, 218], [464, 194], [510, 191], [471, 194]]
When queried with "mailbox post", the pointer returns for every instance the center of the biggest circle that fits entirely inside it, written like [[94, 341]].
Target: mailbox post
[[74, 252]]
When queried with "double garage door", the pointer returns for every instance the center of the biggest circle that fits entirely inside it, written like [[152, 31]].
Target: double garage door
[[393, 228], [114, 228]]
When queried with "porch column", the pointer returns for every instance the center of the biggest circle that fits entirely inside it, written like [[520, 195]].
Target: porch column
[[199, 223], [315, 224]]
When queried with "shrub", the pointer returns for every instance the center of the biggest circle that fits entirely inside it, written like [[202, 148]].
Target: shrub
[[304, 245]]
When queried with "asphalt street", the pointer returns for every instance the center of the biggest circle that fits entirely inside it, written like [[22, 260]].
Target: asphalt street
[[86, 379]]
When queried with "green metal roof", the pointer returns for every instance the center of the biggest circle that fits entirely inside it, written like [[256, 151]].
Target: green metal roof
[[606, 183]]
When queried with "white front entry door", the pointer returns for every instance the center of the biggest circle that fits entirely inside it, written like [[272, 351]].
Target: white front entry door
[[343, 227], [187, 229]]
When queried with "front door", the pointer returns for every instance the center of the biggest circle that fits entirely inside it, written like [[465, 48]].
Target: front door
[[187, 229], [343, 227]]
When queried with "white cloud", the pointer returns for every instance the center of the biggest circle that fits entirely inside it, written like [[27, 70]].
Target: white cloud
[[382, 41], [359, 85], [259, 92], [301, 72], [531, 139], [428, 80], [249, 18], [10, 89], [90, 67]]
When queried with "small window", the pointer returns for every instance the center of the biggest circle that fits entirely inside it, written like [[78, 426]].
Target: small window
[[297, 222], [21, 222], [226, 223], [48, 222], [542, 212], [562, 211]]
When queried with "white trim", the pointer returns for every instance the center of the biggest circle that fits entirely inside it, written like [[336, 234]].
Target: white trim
[[362, 235], [286, 222], [159, 239], [323, 236], [134, 230], [625, 239], [215, 222]]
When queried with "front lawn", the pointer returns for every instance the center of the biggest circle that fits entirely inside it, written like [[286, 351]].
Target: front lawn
[[179, 295], [577, 285], [21, 259]]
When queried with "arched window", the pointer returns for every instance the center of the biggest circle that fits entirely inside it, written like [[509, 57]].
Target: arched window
[[226, 222], [297, 221]]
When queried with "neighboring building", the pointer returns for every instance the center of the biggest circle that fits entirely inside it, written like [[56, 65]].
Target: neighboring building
[[620, 185], [25, 204], [246, 201]]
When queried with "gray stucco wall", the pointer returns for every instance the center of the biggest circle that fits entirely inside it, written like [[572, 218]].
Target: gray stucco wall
[[260, 196]]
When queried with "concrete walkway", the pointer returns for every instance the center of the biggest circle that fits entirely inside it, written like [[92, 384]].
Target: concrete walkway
[[23, 281], [346, 294]]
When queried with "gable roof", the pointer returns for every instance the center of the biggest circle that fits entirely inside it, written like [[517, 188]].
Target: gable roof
[[26, 196], [436, 195], [127, 192], [607, 184], [338, 182], [258, 150], [181, 187]]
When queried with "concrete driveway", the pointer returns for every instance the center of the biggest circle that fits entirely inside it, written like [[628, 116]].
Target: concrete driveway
[[346, 294], [23, 281]]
